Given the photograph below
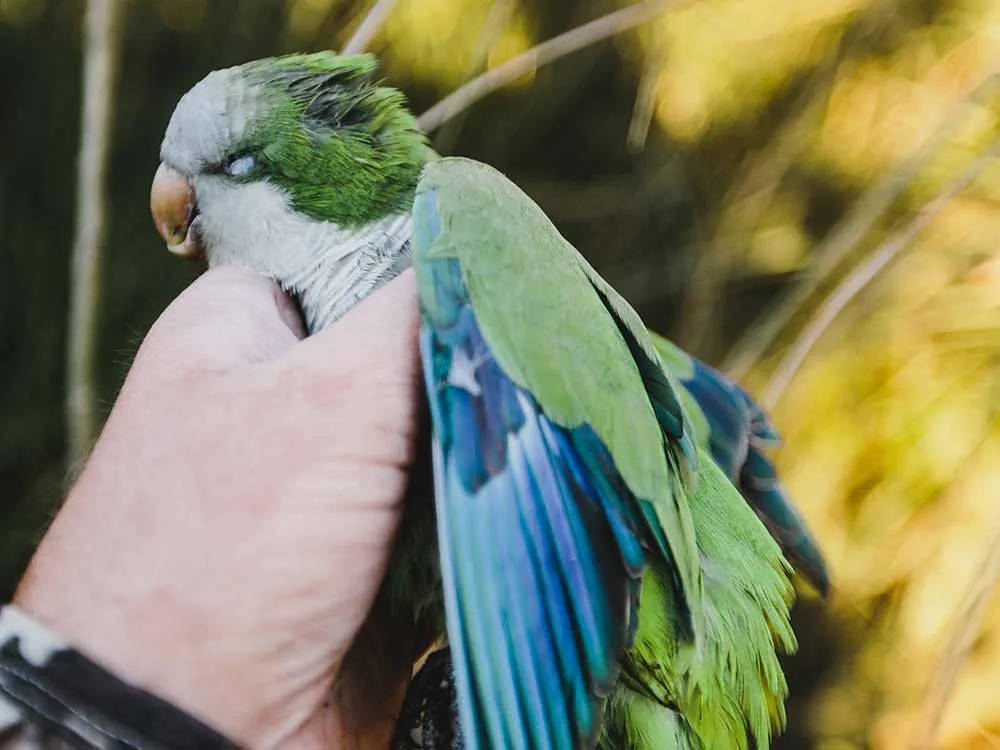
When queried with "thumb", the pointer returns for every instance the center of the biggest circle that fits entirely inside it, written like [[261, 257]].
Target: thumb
[[226, 318], [378, 337]]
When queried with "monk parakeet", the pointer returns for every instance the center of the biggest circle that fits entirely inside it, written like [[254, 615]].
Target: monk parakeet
[[601, 579]]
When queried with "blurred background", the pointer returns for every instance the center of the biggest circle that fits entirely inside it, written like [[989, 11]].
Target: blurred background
[[802, 193]]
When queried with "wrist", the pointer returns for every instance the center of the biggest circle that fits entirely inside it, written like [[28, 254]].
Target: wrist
[[47, 684], [141, 631], [130, 645], [169, 623]]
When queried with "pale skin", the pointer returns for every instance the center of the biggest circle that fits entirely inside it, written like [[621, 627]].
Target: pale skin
[[225, 540]]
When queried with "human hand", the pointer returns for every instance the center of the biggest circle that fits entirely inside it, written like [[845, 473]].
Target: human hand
[[225, 540]]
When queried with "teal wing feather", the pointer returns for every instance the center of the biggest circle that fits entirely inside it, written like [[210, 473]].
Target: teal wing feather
[[738, 432], [562, 460]]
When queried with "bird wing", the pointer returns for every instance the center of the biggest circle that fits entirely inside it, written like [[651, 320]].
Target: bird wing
[[562, 460], [738, 432]]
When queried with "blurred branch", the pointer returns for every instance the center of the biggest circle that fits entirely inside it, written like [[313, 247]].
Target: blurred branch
[[369, 26], [848, 233], [645, 100], [968, 621], [747, 199], [857, 280], [542, 54], [762, 173], [101, 52], [496, 20]]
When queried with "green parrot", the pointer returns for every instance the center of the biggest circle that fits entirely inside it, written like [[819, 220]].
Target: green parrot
[[604, 547]]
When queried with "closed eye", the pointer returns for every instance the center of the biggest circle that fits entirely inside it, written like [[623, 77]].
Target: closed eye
[[238, 165]]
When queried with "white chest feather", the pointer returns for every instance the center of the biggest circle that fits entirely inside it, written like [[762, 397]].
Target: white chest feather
[[327, 267], [350, 269]]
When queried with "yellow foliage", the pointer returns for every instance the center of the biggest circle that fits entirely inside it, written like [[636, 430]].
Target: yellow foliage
[[891, 430], [907, 485], [892, 438], [725, 58], [430, 40]]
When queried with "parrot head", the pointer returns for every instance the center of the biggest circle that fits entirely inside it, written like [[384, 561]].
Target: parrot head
[[279, 162]]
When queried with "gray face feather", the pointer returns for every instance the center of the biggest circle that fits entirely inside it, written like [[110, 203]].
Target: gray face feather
[[208, 121], [252, 224]]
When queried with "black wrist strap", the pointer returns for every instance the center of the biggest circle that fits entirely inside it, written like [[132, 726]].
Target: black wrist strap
[[46, 683]]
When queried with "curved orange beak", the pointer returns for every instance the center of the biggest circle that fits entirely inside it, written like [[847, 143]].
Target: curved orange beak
[[173, 203]]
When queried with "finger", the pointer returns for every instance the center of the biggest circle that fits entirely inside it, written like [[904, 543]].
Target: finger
[[227, 317], [357, 383], [377, 339]]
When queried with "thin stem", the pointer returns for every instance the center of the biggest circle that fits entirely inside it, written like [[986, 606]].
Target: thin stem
[[968, 621], [645, 100], [542, 54], [849, 288], [101, 53], [369, 27], [848, 234]]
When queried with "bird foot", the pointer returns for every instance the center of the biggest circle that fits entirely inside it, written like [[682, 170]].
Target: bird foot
[[428, 719]]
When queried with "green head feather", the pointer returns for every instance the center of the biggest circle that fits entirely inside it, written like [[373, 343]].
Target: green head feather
[[321, 128], [343, 147], [303, 169]]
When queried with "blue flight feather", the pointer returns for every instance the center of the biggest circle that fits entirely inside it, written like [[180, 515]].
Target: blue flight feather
[[540, 553], [739, 433]]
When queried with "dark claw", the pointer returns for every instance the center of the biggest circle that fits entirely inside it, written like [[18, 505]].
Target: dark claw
[[429, 717]]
